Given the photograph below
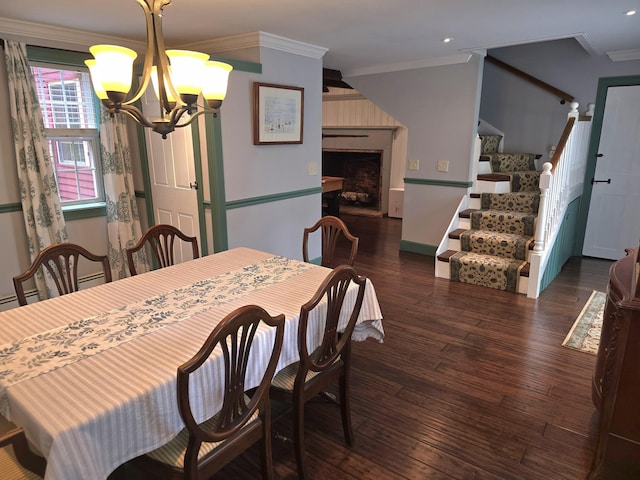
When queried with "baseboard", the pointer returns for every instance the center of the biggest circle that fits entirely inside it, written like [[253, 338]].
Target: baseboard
[[421, 248]]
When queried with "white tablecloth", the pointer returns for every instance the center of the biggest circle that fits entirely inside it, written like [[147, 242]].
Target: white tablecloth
[[90, 412]]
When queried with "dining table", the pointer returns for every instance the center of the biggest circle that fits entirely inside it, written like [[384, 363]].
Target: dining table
[[91, 375]]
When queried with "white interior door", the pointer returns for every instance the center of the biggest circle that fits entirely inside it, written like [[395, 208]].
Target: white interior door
[[613, 222], [172, 172]]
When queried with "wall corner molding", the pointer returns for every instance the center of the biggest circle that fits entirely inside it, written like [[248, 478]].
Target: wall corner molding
[[257, 40], [58, 37], [624, 55], [415, 65]]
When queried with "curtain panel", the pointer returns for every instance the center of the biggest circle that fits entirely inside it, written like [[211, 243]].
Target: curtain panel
[[41, 207], [123, 223]]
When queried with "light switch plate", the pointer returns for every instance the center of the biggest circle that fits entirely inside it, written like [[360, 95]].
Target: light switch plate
[[443, 166], [414, 164], [312, 167]]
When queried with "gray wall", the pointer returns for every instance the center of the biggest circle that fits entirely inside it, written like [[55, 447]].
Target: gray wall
[[532, 119], [439, 106], [261, 170]]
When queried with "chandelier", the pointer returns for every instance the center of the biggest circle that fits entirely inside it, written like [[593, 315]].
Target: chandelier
[[178, 77]]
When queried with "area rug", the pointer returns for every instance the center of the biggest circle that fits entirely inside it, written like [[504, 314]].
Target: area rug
[[585, 332]]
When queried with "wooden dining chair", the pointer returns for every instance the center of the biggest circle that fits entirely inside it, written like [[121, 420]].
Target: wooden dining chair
[[201, 449], [17, 461], [61, 261], [161, 240], [327, 364], [331, 229]]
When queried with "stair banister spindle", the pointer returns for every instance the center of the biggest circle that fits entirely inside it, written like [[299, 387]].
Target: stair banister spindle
[[541, 227]]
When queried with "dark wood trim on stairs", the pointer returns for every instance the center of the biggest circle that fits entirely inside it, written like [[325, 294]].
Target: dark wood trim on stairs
[[563, 142], [494, 177], [564, 96]]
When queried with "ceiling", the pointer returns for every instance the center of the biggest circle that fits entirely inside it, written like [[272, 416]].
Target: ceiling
[[361, 36]]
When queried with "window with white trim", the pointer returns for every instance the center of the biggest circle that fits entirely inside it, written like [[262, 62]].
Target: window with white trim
[[69, 113]]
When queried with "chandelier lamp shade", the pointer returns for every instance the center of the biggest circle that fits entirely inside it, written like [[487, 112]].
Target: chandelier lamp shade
[[179, 78]]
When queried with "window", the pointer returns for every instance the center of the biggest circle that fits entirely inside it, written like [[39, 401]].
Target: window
[[69, 114]]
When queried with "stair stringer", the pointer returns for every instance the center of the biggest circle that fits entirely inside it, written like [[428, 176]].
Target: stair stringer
[[442, 268]]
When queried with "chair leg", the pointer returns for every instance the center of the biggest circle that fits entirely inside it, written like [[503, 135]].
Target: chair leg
[[298, 437], [267, 453], [345, 409]]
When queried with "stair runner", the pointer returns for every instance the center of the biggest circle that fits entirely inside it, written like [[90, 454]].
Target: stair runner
[[494, 252]]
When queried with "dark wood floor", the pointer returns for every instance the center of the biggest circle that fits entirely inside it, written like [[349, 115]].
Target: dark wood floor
[[470, 383]]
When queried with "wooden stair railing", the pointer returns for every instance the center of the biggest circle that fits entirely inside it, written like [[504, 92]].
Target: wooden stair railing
[[558, 186], [562, 142], [564, 96]]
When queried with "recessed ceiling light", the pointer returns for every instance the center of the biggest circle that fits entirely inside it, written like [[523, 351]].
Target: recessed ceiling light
[[447, 40], [630, 12]]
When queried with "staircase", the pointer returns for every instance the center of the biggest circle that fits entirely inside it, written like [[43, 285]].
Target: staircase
[[495, 234]]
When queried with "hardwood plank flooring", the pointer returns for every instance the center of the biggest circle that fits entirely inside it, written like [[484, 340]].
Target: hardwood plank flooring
[[470, 383]]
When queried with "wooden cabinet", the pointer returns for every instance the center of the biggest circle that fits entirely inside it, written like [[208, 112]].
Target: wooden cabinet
[[616, 381]]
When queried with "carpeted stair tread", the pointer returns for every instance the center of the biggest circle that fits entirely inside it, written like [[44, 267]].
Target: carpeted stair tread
[[503, 221], [494, 251], [525, 202], [486, 270], [506, 245], [525, 181]]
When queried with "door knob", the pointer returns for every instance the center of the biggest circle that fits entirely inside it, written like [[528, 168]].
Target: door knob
[[194, 185]]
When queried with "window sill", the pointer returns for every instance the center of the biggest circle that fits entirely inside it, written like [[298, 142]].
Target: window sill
[[90, 210]]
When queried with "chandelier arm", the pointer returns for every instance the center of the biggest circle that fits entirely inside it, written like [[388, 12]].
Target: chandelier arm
[[194, 116], [161, 57], [148, 56], [136, 114]]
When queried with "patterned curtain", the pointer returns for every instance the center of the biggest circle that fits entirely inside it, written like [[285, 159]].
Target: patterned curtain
[[41, 206], [123, 224]]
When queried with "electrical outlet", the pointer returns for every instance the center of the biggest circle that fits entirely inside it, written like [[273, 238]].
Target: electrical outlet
[[312, 167], [443, 166], [414, 164]]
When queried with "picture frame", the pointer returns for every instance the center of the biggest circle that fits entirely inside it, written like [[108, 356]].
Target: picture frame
[[278, 114]]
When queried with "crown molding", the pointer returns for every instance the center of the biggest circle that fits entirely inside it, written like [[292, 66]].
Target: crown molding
[[585, 43], [58, 37], [624, 55], [581, 38], [415, 65], [256, 40]]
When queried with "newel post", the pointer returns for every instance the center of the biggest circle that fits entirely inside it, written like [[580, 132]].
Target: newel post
[[541, 224]]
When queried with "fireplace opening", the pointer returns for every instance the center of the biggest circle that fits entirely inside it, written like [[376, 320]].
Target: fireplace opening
[[362, 185]]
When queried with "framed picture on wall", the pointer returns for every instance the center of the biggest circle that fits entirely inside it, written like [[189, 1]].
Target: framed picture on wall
[[278, 112]]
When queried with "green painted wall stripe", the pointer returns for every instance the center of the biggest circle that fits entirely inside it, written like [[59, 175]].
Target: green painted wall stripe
[[439, 183], [246, 202], [99, 210], [85, 212], [59, 57], [421, 248], [10, 207], [240, 65]]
